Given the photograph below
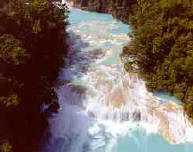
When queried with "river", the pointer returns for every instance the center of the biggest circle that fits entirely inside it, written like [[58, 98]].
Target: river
[[102, 107]]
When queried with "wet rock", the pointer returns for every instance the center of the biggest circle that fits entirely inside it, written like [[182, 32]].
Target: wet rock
[[136, 116], [53, 108], [131, 67], [128, 51], [128, 58], [172, 122], [125, 116], [96, 54], [189, 95]]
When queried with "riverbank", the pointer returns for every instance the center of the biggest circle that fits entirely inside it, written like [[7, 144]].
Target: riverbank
[[33, 45], [103, 107], [121, 10], [161, 43]]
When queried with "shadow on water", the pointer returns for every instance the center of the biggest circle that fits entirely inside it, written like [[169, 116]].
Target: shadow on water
[[78, 59], [69, 125]]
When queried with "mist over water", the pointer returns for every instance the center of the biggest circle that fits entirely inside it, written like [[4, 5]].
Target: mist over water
[[102, 107]]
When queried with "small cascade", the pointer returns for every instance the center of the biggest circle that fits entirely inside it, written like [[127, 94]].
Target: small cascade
[[120, 96]]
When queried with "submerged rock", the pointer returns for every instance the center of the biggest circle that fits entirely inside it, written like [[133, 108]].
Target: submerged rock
[[53, 108]]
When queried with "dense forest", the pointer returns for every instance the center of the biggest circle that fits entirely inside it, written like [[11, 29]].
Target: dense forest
[[32, 47], [161, 41]]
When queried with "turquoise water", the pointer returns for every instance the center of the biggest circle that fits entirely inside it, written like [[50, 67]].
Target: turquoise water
[[97, 41], [166, 96], [78, 16], [142, 143]]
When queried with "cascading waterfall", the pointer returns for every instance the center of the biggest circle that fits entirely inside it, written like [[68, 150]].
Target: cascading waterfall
[[120, 95], [102, 107]]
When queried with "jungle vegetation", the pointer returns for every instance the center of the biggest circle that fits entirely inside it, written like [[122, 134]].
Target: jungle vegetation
[[32, 47], [162, 40]]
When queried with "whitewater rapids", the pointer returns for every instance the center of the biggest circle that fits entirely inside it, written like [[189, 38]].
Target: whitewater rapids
[[101, 104]]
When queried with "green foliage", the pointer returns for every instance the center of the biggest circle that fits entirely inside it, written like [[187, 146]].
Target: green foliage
[[12, 100], [163, 44], [32, 47], [189, 110], [5, 146], [11, 50], [40, 5]]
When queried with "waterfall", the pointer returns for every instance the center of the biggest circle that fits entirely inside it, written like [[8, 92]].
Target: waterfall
[[101, 103], [121, 96]]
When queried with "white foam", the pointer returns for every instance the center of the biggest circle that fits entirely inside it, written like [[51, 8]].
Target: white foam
[[102, 102]]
